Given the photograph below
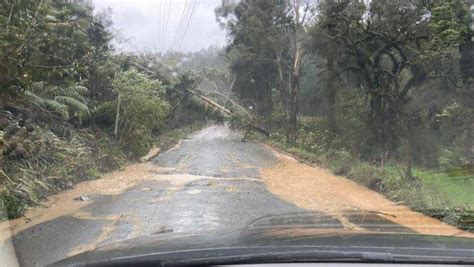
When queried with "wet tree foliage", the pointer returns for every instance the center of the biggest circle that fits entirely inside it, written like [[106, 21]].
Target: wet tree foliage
[[380, 91], [71, 106], [383, 79]]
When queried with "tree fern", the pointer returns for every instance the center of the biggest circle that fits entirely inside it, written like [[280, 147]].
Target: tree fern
[[77, 92], [48, 104], [73, 104], [64, 100]]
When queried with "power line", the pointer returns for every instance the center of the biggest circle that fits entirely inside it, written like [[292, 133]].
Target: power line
[[158, 27], [180, 22], [185, 23], [188, 23], [162, 21], [167, 23]]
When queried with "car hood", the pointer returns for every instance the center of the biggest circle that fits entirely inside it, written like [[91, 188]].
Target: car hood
[[278, 244]]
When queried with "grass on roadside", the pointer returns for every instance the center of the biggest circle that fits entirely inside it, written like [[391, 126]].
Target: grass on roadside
[[459, 189]]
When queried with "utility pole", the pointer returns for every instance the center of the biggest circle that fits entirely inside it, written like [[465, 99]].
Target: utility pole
[[117, 116]]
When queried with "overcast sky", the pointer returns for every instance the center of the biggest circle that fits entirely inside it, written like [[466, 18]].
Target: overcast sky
[[144, 22]]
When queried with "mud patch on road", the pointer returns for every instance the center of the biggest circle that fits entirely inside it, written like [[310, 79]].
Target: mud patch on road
[[317, 189], [114, 183], [68, 202], [71, 201]]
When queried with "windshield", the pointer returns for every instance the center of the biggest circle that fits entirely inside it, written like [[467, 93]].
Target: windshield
[[138, 119]]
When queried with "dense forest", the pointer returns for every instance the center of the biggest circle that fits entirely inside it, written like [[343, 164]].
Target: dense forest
[[380, 91], [71, 107]]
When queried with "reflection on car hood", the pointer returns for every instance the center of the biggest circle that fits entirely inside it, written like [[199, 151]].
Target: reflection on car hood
[[283, 238]]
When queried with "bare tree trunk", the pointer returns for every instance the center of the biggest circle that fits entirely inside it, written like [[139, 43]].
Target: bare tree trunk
[[293, 119], [282, 86], [295, 81]]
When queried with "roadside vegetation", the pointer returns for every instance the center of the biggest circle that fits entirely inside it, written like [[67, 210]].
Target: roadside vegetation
[[380, 93], [72, 108]]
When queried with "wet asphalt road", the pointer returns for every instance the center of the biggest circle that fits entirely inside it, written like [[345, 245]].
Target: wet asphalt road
[[227, 194], [230, 195]]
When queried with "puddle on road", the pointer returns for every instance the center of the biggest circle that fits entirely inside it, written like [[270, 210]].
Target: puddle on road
[[317, 189]]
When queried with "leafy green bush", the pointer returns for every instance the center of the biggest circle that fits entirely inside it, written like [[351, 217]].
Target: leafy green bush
[[313, 134], [11, 204], [142, 110], [367, 175], [104, 115], [240, 121], [450, 159], [140, 144]]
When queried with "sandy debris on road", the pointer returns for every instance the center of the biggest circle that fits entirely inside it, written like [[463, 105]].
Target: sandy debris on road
[[114, 183], [154, 151], [317, 189], [66, 202]]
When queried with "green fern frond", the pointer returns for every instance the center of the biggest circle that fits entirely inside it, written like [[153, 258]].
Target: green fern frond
[[33, 98], [37, 87], [48, 104], [54, 105], [72, 103], [79, 89], [76, 92], [62, 100]]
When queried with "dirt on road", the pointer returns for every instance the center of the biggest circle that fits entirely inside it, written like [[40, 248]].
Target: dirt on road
[[319, 190], [67, 202]]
